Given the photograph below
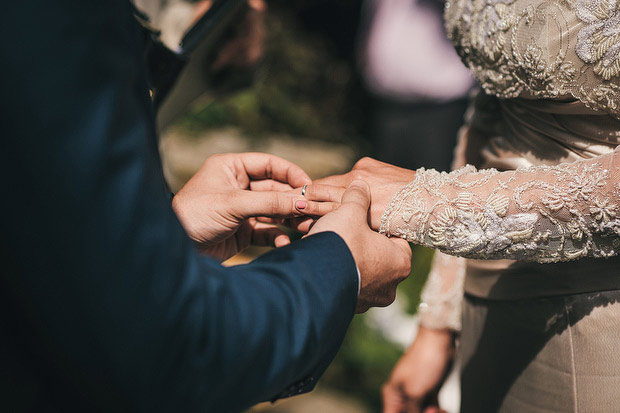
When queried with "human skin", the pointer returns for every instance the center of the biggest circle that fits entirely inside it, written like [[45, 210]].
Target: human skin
[[416, 379], [220, 204]]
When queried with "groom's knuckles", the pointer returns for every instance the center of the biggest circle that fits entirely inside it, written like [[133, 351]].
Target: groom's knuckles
[[388, 297], [403, 268], [384, 298], [401, 247]]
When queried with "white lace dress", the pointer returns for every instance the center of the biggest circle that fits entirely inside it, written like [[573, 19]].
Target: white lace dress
[[554, 67]]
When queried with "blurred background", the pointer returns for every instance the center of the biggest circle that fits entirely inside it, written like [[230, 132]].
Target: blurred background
[[323, 83]]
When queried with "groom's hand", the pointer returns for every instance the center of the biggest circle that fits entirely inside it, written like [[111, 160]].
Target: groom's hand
[[218, 204], [382, 262], [385, 181]]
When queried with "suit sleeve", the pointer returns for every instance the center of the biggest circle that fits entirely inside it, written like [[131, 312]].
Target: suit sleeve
[[114, 303]]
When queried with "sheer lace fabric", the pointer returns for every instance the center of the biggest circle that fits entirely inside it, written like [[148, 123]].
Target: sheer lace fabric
[[558, 57], [543, 213], [487, 141], [541, 48], [443, 293]]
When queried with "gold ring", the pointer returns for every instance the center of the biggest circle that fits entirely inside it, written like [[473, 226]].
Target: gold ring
[[303, 190]]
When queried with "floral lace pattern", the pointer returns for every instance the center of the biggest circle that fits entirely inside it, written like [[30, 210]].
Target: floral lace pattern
[[599, 42], [542, 213], [541, 48], [546, 49]]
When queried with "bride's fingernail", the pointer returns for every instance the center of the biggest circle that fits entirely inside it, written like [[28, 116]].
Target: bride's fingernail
[[301, 204]]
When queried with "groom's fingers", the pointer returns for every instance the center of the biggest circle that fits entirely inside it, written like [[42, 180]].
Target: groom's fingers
[[265, 235], [301, 223], [266, 166], [268, 220], [270, 185]]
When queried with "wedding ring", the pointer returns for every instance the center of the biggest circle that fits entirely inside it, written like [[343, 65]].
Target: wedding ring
[[303, 190]]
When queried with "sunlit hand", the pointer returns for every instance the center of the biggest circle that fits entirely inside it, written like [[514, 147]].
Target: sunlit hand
[[382, 262], [385, 181], [218, 205], [415, 381]]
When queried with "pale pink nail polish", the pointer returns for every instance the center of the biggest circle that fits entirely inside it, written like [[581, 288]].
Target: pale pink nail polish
[[301, 204]]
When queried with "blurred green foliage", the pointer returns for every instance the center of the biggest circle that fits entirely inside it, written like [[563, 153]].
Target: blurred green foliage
[[363, 364], [366, 358], [301, 89], [411, 287]]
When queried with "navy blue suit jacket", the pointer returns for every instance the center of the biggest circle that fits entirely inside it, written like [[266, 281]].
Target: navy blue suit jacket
[[104, 302]]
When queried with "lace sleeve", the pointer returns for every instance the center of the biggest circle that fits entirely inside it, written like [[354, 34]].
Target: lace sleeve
[[443, 293], [542, 213]]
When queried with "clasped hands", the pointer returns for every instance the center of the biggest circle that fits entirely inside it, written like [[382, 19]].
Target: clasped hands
[[234, 200]]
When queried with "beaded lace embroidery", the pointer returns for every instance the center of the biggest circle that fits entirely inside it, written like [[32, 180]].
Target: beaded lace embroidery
[[545, 49], [443, 292], [542, 213]]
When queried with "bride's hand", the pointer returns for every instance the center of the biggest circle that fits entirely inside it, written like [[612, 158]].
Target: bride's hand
[[417, 377], [385, 181], [218, 204]]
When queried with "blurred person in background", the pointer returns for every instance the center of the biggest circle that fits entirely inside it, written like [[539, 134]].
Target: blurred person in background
[[174, 17], [417, 82], [112, 295]]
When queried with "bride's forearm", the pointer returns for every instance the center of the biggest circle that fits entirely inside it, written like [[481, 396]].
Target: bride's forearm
[[545, 213]]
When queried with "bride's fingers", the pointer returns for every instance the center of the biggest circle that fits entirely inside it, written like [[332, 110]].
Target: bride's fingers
[[319, 192], [249, 204], [270, 185]]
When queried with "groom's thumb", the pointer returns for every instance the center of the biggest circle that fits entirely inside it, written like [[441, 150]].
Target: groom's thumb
[[357, 197]]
